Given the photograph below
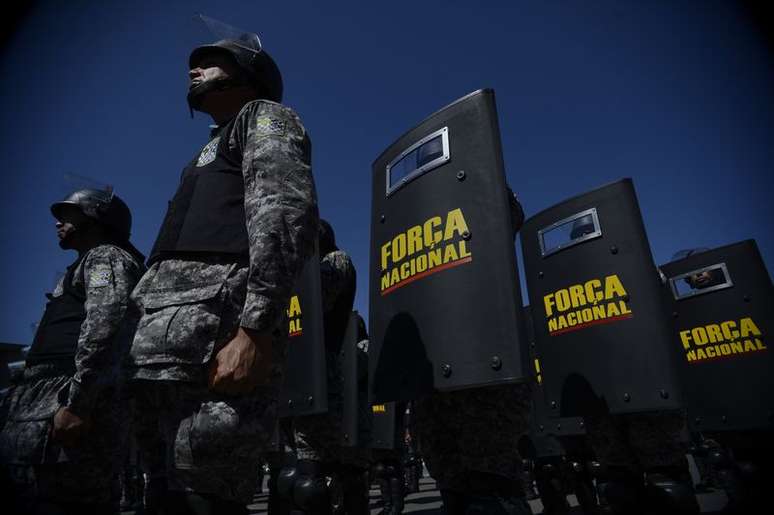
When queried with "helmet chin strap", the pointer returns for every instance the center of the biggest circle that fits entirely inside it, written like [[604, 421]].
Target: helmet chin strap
[[196, 95]]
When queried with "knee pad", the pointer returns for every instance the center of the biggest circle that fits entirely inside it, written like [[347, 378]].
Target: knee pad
[[312, 494], [311, 490], [286, 479], [671, 495]]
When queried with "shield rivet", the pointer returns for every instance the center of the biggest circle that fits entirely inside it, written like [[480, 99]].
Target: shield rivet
[[446, 370], [627, 397], [346, 436], [381, 219], [465, 235], [614, 249], [310, 400], [724, 419], [461, 175], [541, 428], [674, 314], [290, 403], [553, 404], [496, 363], [747, 298], [558, 427], [582, 423], [540, 275], [697, 420], [664, 394]]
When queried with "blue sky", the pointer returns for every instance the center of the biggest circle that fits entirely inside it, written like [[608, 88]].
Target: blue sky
[[677, 95]]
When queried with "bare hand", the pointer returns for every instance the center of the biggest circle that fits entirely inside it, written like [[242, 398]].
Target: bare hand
[[242, 364], [69, 428]]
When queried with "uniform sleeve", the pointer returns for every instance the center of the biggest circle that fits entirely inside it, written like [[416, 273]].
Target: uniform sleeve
[[108, 278], [336, 273], [280, 208]]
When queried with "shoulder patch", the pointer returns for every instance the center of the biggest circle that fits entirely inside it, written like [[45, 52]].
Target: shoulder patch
[[269, 126], [100, 276]]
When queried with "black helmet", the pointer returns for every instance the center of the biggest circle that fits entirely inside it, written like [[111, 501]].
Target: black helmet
[[582, 226], [682, 254], [327, 238], [259, 68], [102, 206]]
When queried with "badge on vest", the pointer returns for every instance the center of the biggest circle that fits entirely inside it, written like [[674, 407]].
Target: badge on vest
[[208, 153], [267, 126]]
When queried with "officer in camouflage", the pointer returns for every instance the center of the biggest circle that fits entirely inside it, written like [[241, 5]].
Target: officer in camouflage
[[209, 353], [62, 424], [319, 437], [469, 439], [630, 445]]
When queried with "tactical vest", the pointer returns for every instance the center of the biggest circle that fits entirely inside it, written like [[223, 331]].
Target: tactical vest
[[56, 340], [207, 214]]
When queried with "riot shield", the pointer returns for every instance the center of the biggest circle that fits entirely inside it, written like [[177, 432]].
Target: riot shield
[[444, 288], [387, 425], [723, 314], [600, 316], [356, 410], [305, 390], [544, 429]]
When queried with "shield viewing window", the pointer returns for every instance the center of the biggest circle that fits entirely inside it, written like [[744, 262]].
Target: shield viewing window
[[703, 280], [569, 231], [426, 154]]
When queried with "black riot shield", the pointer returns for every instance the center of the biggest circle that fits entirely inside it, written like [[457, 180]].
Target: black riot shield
[[305, 390], [600, 316], [356, 414], [444, 288], [723, 302], [545, 428], [387, 425]]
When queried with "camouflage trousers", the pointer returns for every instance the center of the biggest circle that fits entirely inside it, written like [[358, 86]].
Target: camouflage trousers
[[38, 469], [201, 441], [470, 432], [639, 441]]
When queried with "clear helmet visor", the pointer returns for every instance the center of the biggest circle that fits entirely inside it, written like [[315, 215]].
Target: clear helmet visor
[[221, 34]]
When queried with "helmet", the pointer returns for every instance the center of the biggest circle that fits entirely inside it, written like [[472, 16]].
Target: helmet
[[682, 254], [102, 206], [327, 238], [581, 226], [258, 67]]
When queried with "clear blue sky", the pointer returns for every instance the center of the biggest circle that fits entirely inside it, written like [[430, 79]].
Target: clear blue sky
[[677, 95]]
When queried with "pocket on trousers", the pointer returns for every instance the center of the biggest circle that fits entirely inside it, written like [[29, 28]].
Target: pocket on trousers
[[24, 442], [230, 433], [179, 327]]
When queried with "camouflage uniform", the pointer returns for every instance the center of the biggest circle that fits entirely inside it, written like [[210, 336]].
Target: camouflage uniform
[[467, 434], [318, 437], [192, 305], [39, 467]]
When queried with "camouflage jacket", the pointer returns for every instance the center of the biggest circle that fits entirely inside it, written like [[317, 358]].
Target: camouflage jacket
[[188, 305], [336, 274], [106, 274]]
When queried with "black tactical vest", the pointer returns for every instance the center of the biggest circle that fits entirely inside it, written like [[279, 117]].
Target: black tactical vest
[[336, 320], [56, 339], [207, 214]]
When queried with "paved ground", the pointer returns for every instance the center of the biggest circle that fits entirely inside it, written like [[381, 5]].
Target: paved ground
[[428, 501]]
